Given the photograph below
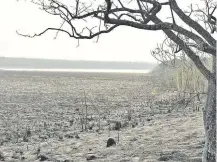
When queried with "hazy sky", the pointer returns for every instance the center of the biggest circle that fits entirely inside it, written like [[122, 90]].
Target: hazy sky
[[126, 44]]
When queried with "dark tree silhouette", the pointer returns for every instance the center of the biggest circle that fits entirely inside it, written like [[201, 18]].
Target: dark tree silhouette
[[190, 32]]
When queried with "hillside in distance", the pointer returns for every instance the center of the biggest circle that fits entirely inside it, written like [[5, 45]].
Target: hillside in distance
[[29, 63]]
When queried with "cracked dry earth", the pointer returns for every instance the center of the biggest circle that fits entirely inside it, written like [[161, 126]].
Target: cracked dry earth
[[40, 118]]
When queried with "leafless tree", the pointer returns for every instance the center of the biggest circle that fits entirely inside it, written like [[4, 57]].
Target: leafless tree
[[189, 31]]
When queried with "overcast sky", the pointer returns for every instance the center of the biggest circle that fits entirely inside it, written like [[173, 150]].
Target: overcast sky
[[125, 44]]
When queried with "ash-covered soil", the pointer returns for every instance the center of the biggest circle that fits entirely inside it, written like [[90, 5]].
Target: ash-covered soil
[[68, 117]]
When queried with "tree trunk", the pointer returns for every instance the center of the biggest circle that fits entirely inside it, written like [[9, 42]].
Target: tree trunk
[[209, 117]]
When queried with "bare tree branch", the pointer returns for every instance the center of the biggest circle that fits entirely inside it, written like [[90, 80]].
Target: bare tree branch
[[144, 17]]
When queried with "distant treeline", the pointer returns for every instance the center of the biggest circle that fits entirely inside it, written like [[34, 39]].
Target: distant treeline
[[27, 63]]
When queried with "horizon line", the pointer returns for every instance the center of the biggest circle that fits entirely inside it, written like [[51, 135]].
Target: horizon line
[[62, 59], [77, 70]]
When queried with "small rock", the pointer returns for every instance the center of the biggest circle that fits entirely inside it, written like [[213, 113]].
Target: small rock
[[91, 157], [23, 158], [68, 161], [149, 119], [42, 157], [71, 122], [164, 158], [2, 143], [77, 137], [110, 142], [90, 127], [133, 139], [43, 137], [117, 125], [70, 135], [15, 156], [2, 158], [60, 138]]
